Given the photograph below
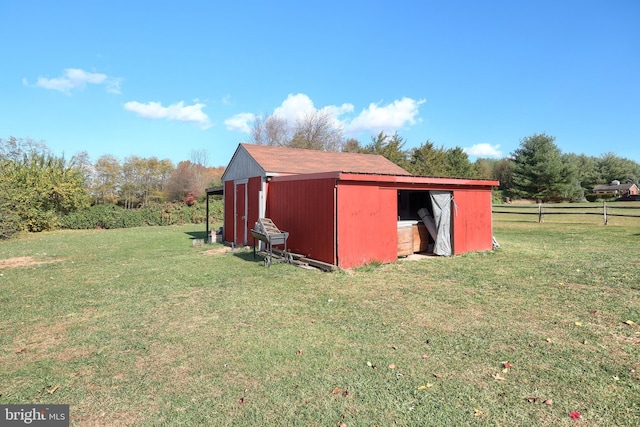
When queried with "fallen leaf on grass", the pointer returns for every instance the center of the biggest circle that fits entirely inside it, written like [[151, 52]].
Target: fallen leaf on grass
[[425, 356], [338, 390], [392, 366], [426, 386], [478, 413], [20, 350], [53, 390], [41, 393], [575, 415], [578, 323], [371, 365], [498, 377], [548, 402], [437, 375], [630, 322]]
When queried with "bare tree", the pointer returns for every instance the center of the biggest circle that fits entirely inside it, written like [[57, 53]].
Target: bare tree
[[271, 131], [14, 148], [316, 131], [200, 157], [352, 145]]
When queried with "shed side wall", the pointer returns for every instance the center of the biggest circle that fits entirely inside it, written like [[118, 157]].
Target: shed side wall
[[472, 222], [367, 224], [305, 209]]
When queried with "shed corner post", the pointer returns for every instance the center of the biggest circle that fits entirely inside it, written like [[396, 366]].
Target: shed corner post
[[207, 221]]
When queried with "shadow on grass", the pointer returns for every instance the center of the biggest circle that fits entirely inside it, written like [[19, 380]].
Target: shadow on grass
[[197, 234], [248, 256]]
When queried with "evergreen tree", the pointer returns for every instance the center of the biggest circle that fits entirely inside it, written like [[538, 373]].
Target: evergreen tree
[[427, 160], [458, 164], [540, 172], [389, 146]]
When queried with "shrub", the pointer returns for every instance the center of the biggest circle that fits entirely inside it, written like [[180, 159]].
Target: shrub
[[113, 216]]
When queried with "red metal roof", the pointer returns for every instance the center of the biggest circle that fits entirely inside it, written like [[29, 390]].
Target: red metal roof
[[284, 160]]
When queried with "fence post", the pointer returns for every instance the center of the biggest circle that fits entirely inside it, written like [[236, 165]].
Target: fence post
[[604, 212], [540, 212]]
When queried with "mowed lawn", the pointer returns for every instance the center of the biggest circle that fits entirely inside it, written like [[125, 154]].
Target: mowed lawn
[[139, 327]]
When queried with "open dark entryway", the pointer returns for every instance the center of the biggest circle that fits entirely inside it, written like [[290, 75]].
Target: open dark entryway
[[428, 213]]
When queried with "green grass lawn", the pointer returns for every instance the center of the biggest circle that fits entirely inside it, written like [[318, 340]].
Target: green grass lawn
[[138, 327]]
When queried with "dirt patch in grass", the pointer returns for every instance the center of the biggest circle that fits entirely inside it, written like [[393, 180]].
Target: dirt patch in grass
[[24, 261]]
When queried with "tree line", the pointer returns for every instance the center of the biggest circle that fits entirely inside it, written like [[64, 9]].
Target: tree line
[[536, 170], [39, 188]]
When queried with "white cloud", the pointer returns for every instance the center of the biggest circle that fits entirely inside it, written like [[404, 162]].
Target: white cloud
[[240, 122], [483, 150], [75, 78], [387, 118], [295, 107], [177, 112], [299, 106], [375, 118]]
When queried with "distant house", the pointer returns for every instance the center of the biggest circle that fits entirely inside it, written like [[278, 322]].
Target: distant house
[[349, 209], [615, 189]]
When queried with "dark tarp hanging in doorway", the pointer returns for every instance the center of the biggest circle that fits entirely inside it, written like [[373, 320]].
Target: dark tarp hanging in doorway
[[441, 202]]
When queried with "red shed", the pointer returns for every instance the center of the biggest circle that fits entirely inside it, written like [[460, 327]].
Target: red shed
[[348, 209]]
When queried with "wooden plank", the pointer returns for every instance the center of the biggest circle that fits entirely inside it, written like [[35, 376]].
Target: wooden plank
[[304, 260], [420, 238], [405, 241]]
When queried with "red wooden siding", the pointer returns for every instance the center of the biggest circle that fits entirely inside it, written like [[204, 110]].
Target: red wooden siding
[[367, 228], [472, 223], [351, 219], [240, 224], [306, 209]]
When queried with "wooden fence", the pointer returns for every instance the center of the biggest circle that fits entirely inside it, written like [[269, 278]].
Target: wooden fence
[[542, 210]]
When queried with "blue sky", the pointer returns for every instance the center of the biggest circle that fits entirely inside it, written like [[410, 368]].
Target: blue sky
[[167, 78]]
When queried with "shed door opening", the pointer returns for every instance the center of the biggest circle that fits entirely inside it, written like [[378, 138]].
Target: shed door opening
[[428, 214]]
